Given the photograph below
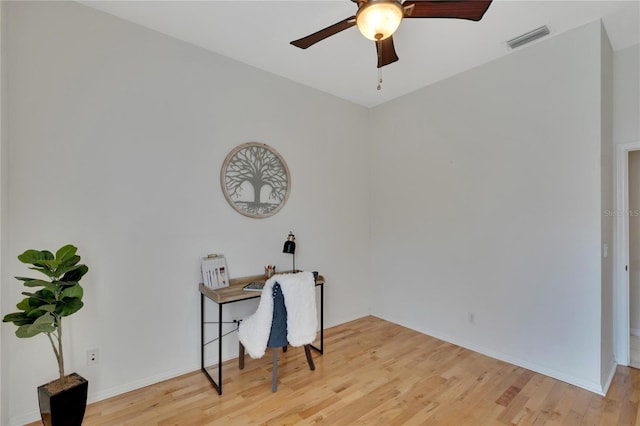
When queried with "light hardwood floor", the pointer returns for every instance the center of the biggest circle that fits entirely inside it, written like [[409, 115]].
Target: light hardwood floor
[[375, 373]]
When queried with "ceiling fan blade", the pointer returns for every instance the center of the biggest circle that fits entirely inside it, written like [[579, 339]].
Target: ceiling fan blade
[[386, 52], [460, 9], [312, 39]]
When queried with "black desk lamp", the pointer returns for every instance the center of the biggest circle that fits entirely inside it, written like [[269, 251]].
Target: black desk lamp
[[290, 247]]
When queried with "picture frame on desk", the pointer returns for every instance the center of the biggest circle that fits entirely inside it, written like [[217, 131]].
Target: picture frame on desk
[[215, 272]]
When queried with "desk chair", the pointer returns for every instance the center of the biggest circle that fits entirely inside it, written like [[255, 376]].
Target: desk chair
[[298, 287]]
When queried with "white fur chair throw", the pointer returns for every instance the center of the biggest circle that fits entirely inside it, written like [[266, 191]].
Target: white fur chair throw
[[302, 321]]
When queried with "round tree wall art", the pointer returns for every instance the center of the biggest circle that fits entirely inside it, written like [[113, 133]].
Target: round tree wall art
[[255, 180]]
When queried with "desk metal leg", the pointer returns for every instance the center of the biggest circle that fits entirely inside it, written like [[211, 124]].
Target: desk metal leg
[[218, 385], [321, 349]]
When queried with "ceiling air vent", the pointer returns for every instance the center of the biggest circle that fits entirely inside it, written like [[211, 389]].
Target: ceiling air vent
[[528, 37]]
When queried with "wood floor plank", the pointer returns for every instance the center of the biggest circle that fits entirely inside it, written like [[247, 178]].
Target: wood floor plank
[[374, 372]]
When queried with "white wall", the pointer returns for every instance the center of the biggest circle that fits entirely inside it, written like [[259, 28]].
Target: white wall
[[116, 139], [607, 188], [626, 87], [3, 196], [488, 204]]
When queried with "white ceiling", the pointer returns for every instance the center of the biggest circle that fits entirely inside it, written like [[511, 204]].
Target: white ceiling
[[258, 33]]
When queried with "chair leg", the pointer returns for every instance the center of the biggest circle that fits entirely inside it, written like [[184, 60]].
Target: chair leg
[[307, 351], [241, 356], [274, 379]]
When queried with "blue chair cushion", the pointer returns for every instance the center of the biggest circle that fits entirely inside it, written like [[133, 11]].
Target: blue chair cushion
[[278, 335]]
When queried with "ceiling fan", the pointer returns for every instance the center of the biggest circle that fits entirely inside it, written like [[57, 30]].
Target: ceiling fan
[[377, 20]]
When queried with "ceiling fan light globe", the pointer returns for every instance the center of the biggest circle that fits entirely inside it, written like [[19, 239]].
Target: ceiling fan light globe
[[378, 20]]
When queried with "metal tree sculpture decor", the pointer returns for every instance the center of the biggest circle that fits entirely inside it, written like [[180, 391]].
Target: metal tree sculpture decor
[[255, 180]]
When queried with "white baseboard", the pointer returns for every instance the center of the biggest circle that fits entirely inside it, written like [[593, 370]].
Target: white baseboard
[[136, 384], [635, 331], [25, 419], [612, 372], [116, 390], [107, 393], [584, 384]]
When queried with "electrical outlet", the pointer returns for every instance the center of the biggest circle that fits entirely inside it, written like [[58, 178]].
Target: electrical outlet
[[92, 356]]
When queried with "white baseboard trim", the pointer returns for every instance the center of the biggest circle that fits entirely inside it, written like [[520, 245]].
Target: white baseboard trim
[[117, 390], [136, 384], [584, 384], [612, 372], [25, 419], [128, 387], [635, 331]]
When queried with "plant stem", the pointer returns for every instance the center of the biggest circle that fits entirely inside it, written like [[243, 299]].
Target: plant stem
[[60, 355], [57, 350]]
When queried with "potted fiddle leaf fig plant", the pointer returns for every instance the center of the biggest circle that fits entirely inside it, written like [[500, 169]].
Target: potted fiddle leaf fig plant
[[58, 295]]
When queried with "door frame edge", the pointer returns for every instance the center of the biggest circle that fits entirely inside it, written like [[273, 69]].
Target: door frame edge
[[621, 260]]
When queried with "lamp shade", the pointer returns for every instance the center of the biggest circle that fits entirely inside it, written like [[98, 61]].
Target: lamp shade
[[290, 244], [379, 19]]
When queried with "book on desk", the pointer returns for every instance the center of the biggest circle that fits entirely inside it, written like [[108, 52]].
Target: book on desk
[[254, 286]]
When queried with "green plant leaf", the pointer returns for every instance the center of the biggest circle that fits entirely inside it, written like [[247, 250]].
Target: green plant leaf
[[25, 331], [68, 306], [47, 318], [75, 291], [43, 328], [30, 303], [23, 304], [41, 297], [18, 318], [45, 270], [75, 274], [36, 283], [71, 260], [64, 268], [38, 299], [38, 313], [48, 308], [43, 324], [45, 294], [66, 252], [35, 257], [52, 265]]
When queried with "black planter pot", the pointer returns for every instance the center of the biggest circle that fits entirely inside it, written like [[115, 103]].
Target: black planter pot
[[65, 408]]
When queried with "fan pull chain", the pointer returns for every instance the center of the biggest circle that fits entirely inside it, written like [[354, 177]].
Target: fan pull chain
[[379, 43]]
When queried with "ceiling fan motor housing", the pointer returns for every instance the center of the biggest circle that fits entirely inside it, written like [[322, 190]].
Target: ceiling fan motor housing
[[378, 19]]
